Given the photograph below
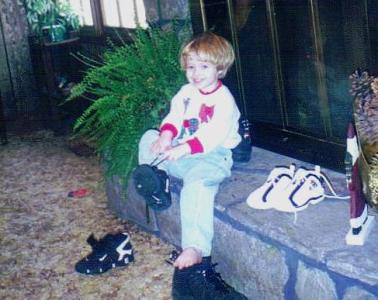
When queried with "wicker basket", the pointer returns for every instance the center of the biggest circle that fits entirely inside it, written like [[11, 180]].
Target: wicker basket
[[369, 176], [368, 160], [365, 112]]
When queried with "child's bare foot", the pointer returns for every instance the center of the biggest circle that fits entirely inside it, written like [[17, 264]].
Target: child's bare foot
[[189, 257]]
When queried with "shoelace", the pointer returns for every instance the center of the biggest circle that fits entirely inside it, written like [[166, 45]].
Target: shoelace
[[301, 177], [323, 179], [154, 164], [334, 194]]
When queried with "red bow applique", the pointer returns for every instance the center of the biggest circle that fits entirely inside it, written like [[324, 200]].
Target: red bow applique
[[206, 113]]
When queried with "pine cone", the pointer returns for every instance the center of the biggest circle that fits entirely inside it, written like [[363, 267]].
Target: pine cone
[[361, 84]]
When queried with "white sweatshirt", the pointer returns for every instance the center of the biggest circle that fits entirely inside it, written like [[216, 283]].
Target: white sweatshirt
[[204, 121]]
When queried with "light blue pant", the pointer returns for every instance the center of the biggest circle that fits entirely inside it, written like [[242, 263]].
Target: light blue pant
[[201, 174]]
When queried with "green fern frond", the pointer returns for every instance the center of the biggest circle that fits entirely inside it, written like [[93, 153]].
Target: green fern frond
[[132, 87]]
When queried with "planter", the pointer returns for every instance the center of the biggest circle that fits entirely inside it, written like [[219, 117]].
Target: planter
[[73, 34], [54, 33], [369, 176]]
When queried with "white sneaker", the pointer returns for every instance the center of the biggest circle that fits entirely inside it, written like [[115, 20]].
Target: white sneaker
[[307, 187], [278, 180]]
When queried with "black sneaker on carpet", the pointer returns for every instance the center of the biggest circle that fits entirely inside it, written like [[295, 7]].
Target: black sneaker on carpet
[[173, 256], [201, 282], [114, 250]]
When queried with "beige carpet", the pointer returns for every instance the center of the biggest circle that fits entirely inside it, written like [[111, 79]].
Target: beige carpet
[[43, 232]]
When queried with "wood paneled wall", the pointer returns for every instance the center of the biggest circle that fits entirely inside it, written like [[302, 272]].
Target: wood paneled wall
[[16, 75]]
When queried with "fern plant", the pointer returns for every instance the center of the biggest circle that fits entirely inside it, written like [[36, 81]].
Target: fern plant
[[131, 90]]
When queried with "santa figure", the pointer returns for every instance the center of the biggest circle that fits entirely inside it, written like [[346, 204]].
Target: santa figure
[[360, 221]]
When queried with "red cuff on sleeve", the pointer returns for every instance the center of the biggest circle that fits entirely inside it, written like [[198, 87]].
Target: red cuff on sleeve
[[169, 127], [195, 146]]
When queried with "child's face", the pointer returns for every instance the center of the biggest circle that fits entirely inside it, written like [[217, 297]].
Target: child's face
[[202, 74]]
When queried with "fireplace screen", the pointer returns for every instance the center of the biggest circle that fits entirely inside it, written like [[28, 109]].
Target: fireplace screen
[[294, 58]]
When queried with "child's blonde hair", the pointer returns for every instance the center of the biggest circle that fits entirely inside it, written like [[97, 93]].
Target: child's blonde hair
[[212, 48]]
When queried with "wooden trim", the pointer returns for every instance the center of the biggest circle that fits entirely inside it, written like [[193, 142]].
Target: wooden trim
[[279, 82], [239, 76], [203, 15], [98, 21], [300, 146], [120, 21], [196, 16], [320, 68]]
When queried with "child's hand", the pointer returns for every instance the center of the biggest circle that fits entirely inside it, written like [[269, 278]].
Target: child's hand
[[163, 143], [177, 152]]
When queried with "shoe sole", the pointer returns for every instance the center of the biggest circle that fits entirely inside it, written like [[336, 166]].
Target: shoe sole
[[131, 260]]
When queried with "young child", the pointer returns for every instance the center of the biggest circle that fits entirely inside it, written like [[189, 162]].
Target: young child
[[196, 138]]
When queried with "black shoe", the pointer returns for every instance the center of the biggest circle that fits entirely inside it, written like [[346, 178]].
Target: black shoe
[[114, 250], [201, 282], [173, 256]]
